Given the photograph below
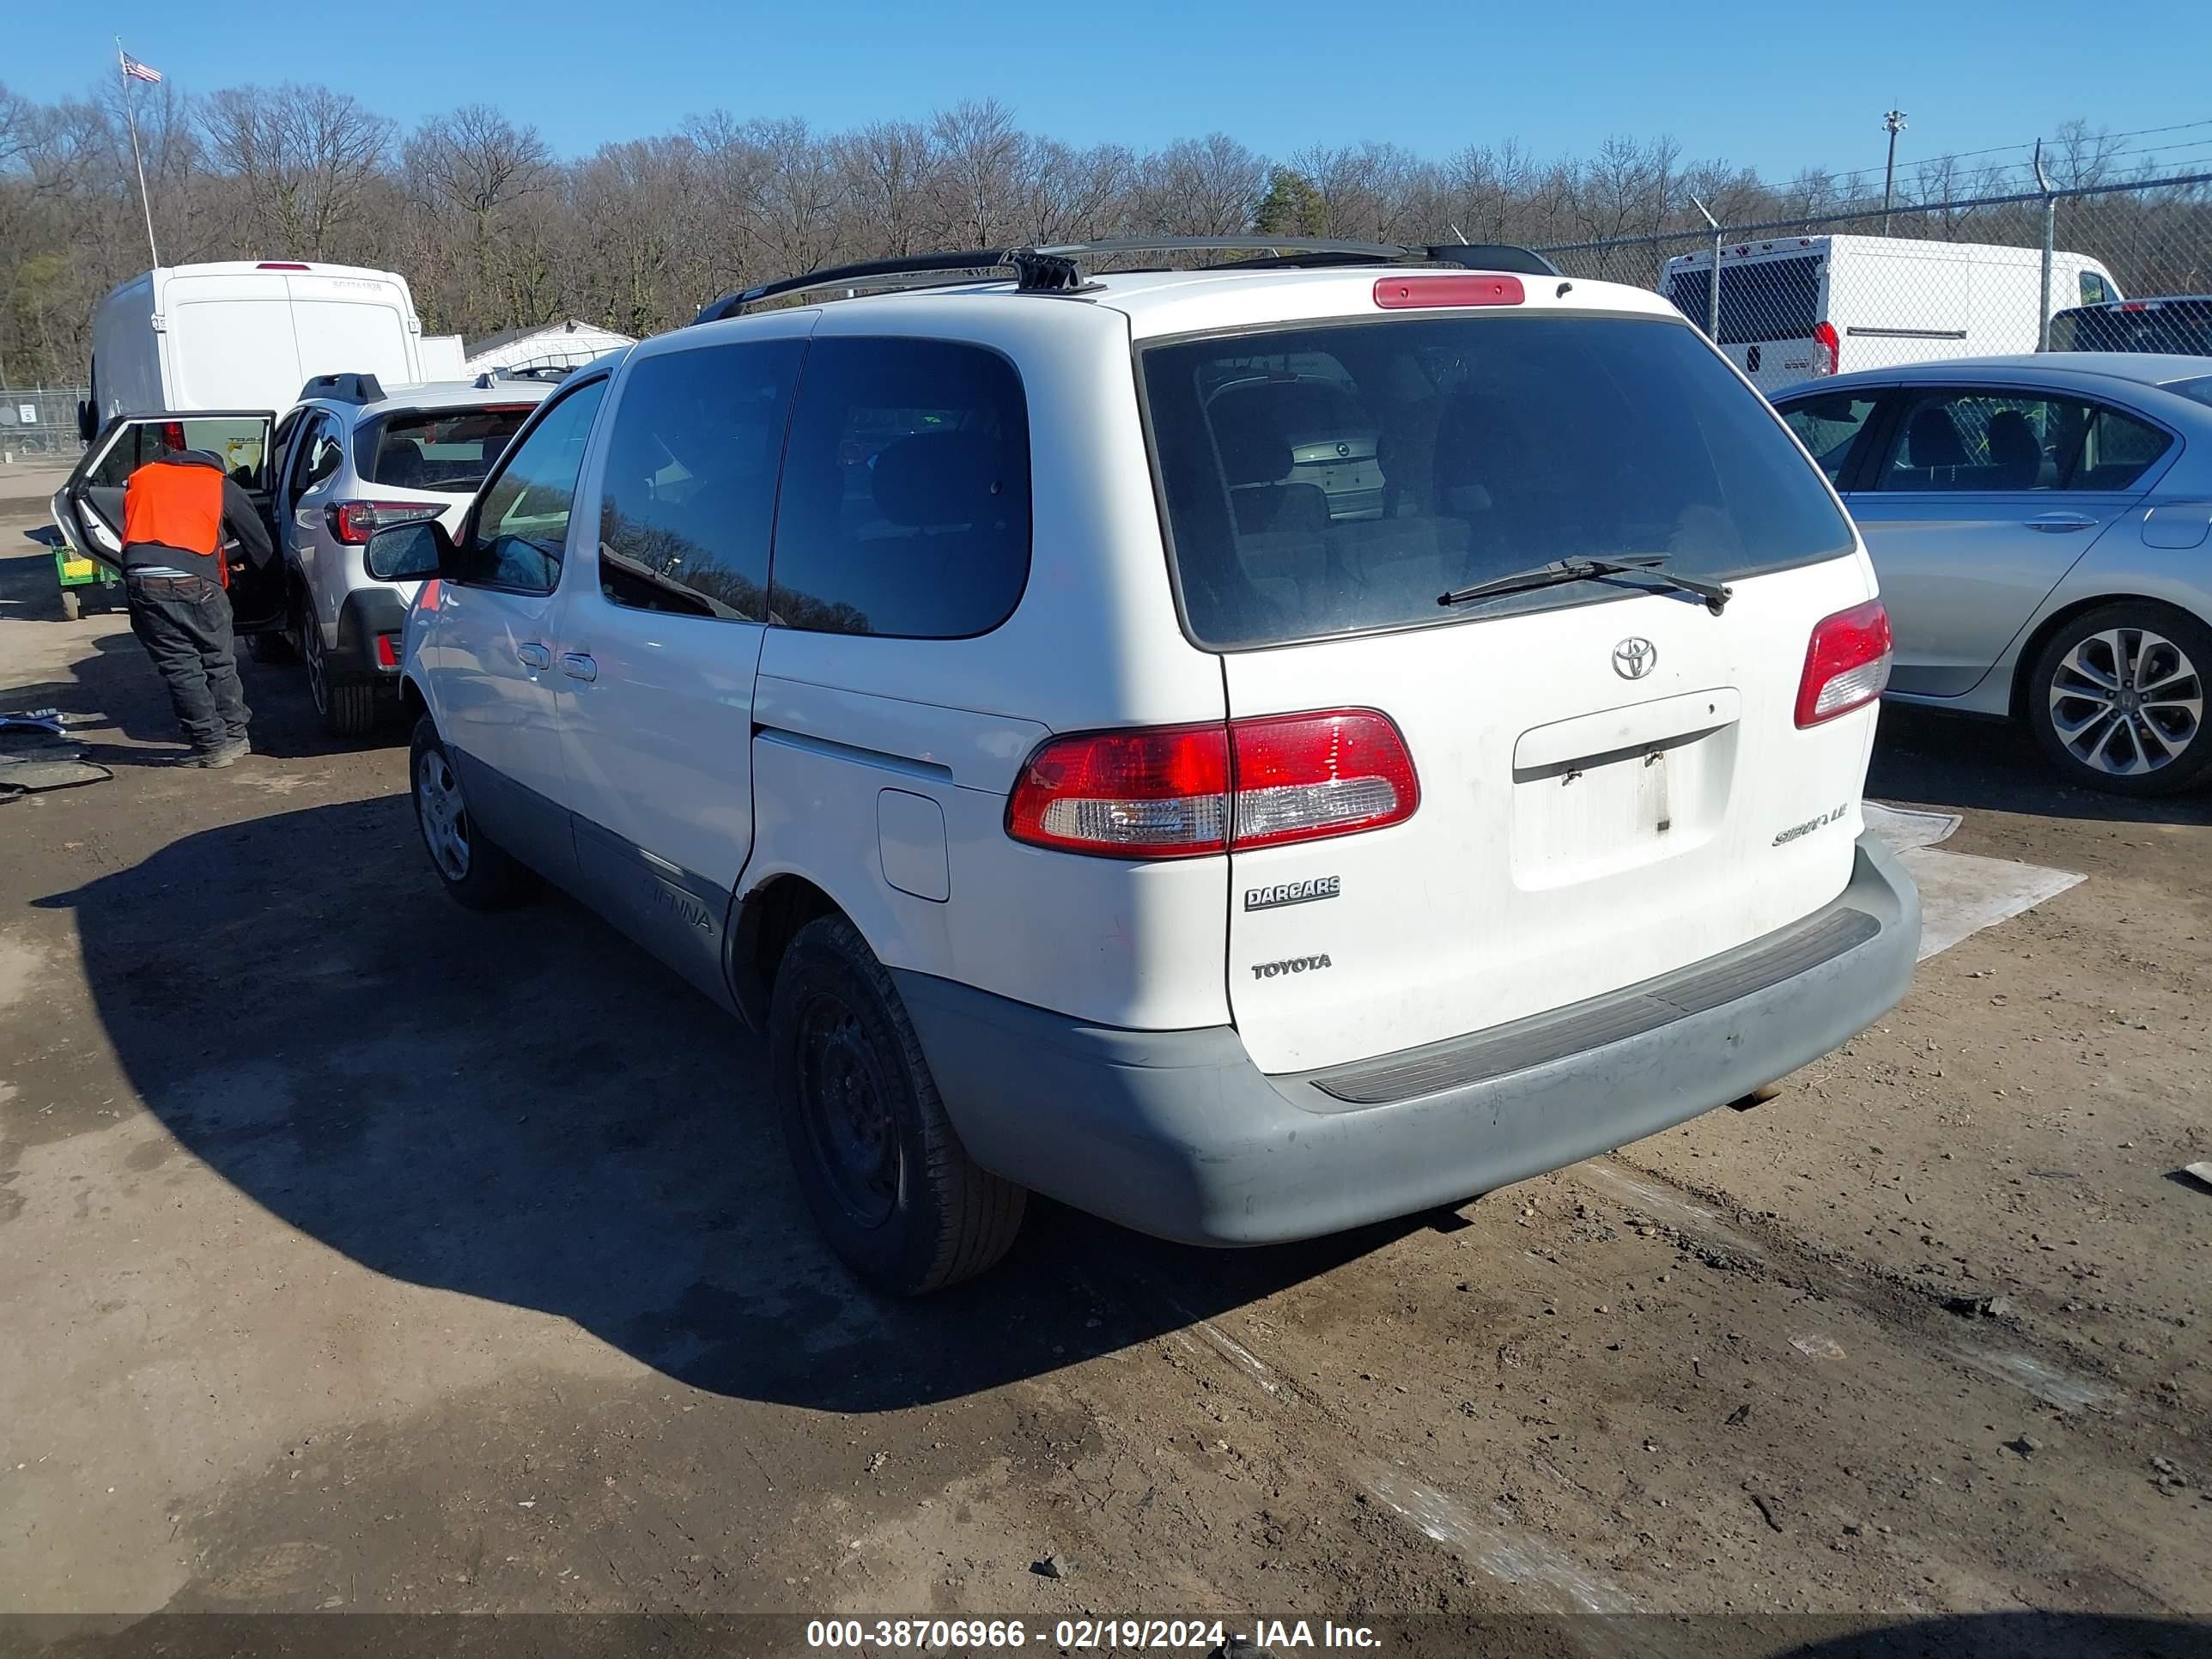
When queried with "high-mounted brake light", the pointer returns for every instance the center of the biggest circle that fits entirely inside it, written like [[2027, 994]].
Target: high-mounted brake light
[[1830, 345], [355, 522], [280, 264], [1847, 664], [1186, 791], [1402, 293]]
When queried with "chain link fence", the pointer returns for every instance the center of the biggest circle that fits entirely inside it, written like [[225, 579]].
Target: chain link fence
[[40, 422], [1873, 287]]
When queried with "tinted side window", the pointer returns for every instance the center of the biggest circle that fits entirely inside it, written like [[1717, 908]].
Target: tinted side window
[[690, 494], [1984, 439], [2116, 452], [315, 454], [906, 492], [1829, 427], [522, 520]]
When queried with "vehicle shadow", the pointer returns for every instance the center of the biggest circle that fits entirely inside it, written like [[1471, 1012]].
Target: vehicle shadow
[[1953, 761], [523, 1107], [113, 691]]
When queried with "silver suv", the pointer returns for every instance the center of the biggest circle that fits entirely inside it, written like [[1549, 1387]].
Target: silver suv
[[348, 459]]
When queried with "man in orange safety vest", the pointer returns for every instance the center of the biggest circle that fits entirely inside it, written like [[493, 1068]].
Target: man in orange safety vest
[[178, 510]]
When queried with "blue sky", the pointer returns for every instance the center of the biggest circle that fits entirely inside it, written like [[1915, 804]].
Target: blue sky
[[1773, 86]]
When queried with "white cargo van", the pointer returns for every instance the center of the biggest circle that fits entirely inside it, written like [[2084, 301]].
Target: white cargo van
[[243, 334], [1793, 307]]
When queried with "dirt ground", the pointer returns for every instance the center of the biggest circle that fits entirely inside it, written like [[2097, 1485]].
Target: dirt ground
[[359, 1254]]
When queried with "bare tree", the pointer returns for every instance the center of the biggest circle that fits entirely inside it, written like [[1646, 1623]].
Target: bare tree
[[470, 167], [981, 155], [493, 230], [302, 155], [888, 169], [1209, 187]]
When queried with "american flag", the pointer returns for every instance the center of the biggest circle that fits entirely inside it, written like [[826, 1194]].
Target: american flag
[[138, 71]]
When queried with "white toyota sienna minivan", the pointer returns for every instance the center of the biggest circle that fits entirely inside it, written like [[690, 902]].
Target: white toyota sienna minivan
[[1245, 751]]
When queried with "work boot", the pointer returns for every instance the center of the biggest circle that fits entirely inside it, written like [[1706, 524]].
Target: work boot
[[227, 754]]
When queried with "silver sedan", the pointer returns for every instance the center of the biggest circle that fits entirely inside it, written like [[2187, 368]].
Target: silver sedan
[[2042, 526]]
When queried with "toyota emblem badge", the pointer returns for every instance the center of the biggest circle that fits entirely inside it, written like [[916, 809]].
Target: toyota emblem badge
[[1634, 658]]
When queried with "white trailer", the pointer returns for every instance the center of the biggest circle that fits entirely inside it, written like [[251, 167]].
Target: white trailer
[[1795, 308], [245, 334]]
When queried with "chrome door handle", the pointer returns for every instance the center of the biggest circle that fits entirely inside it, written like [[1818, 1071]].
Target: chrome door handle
[[2059, 524], [534, 656], [578, 666]]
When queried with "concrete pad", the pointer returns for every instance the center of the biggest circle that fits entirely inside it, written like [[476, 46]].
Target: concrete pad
[[1960, 893]]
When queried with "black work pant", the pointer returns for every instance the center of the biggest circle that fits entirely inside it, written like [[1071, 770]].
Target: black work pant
[[184, 622]]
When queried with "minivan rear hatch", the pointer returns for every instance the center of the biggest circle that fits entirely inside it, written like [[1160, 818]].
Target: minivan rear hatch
[[1609, 782]]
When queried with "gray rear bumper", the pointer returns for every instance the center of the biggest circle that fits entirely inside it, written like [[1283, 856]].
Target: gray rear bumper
[[1177, 1133]]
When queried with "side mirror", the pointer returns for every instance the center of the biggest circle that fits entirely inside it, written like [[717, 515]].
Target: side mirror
[[87, 420], [409, 552]]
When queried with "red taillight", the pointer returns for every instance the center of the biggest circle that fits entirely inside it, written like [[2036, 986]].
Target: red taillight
[[1157, 795], [426, 597], [1179, 791], [173, 434], [1299, 777], [1400, 293], [355, 522], [388, 650], [1830, 346], [1846, 664]]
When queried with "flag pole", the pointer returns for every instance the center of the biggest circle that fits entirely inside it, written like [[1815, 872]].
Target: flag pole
[[131, 115]]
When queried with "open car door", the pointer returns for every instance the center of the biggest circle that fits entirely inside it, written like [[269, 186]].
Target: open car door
[[89, 507]]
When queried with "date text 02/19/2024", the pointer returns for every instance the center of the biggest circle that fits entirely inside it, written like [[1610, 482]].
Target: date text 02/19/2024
[[1274, 1636]]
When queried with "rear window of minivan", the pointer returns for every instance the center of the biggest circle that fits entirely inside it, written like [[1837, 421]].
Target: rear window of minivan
[[1337, 478]]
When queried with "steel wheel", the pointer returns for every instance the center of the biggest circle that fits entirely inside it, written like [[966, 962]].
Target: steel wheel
[[847, 1105], [443, 812], [2126, 702]]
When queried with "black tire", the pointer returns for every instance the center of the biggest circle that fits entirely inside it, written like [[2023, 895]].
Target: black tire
[[485, 877], [348, 710], [352, 711], [270, 648], [886, 1178], [2096, 734]]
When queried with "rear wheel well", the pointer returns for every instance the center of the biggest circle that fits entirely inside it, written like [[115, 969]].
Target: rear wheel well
[[2031, 646], [411, 702], [768, 918]]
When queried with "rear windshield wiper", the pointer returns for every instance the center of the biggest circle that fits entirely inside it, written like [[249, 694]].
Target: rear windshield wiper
[[1561, 571]]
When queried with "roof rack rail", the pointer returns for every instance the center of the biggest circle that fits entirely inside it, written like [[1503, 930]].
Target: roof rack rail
[[1059, 268], [344, 389], [538, 373]]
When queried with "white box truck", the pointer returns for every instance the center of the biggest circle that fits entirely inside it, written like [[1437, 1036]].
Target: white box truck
[[246, 334], [1793, 307]]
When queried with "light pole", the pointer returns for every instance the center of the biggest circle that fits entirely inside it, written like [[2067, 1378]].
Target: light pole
[[1895, 120]]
